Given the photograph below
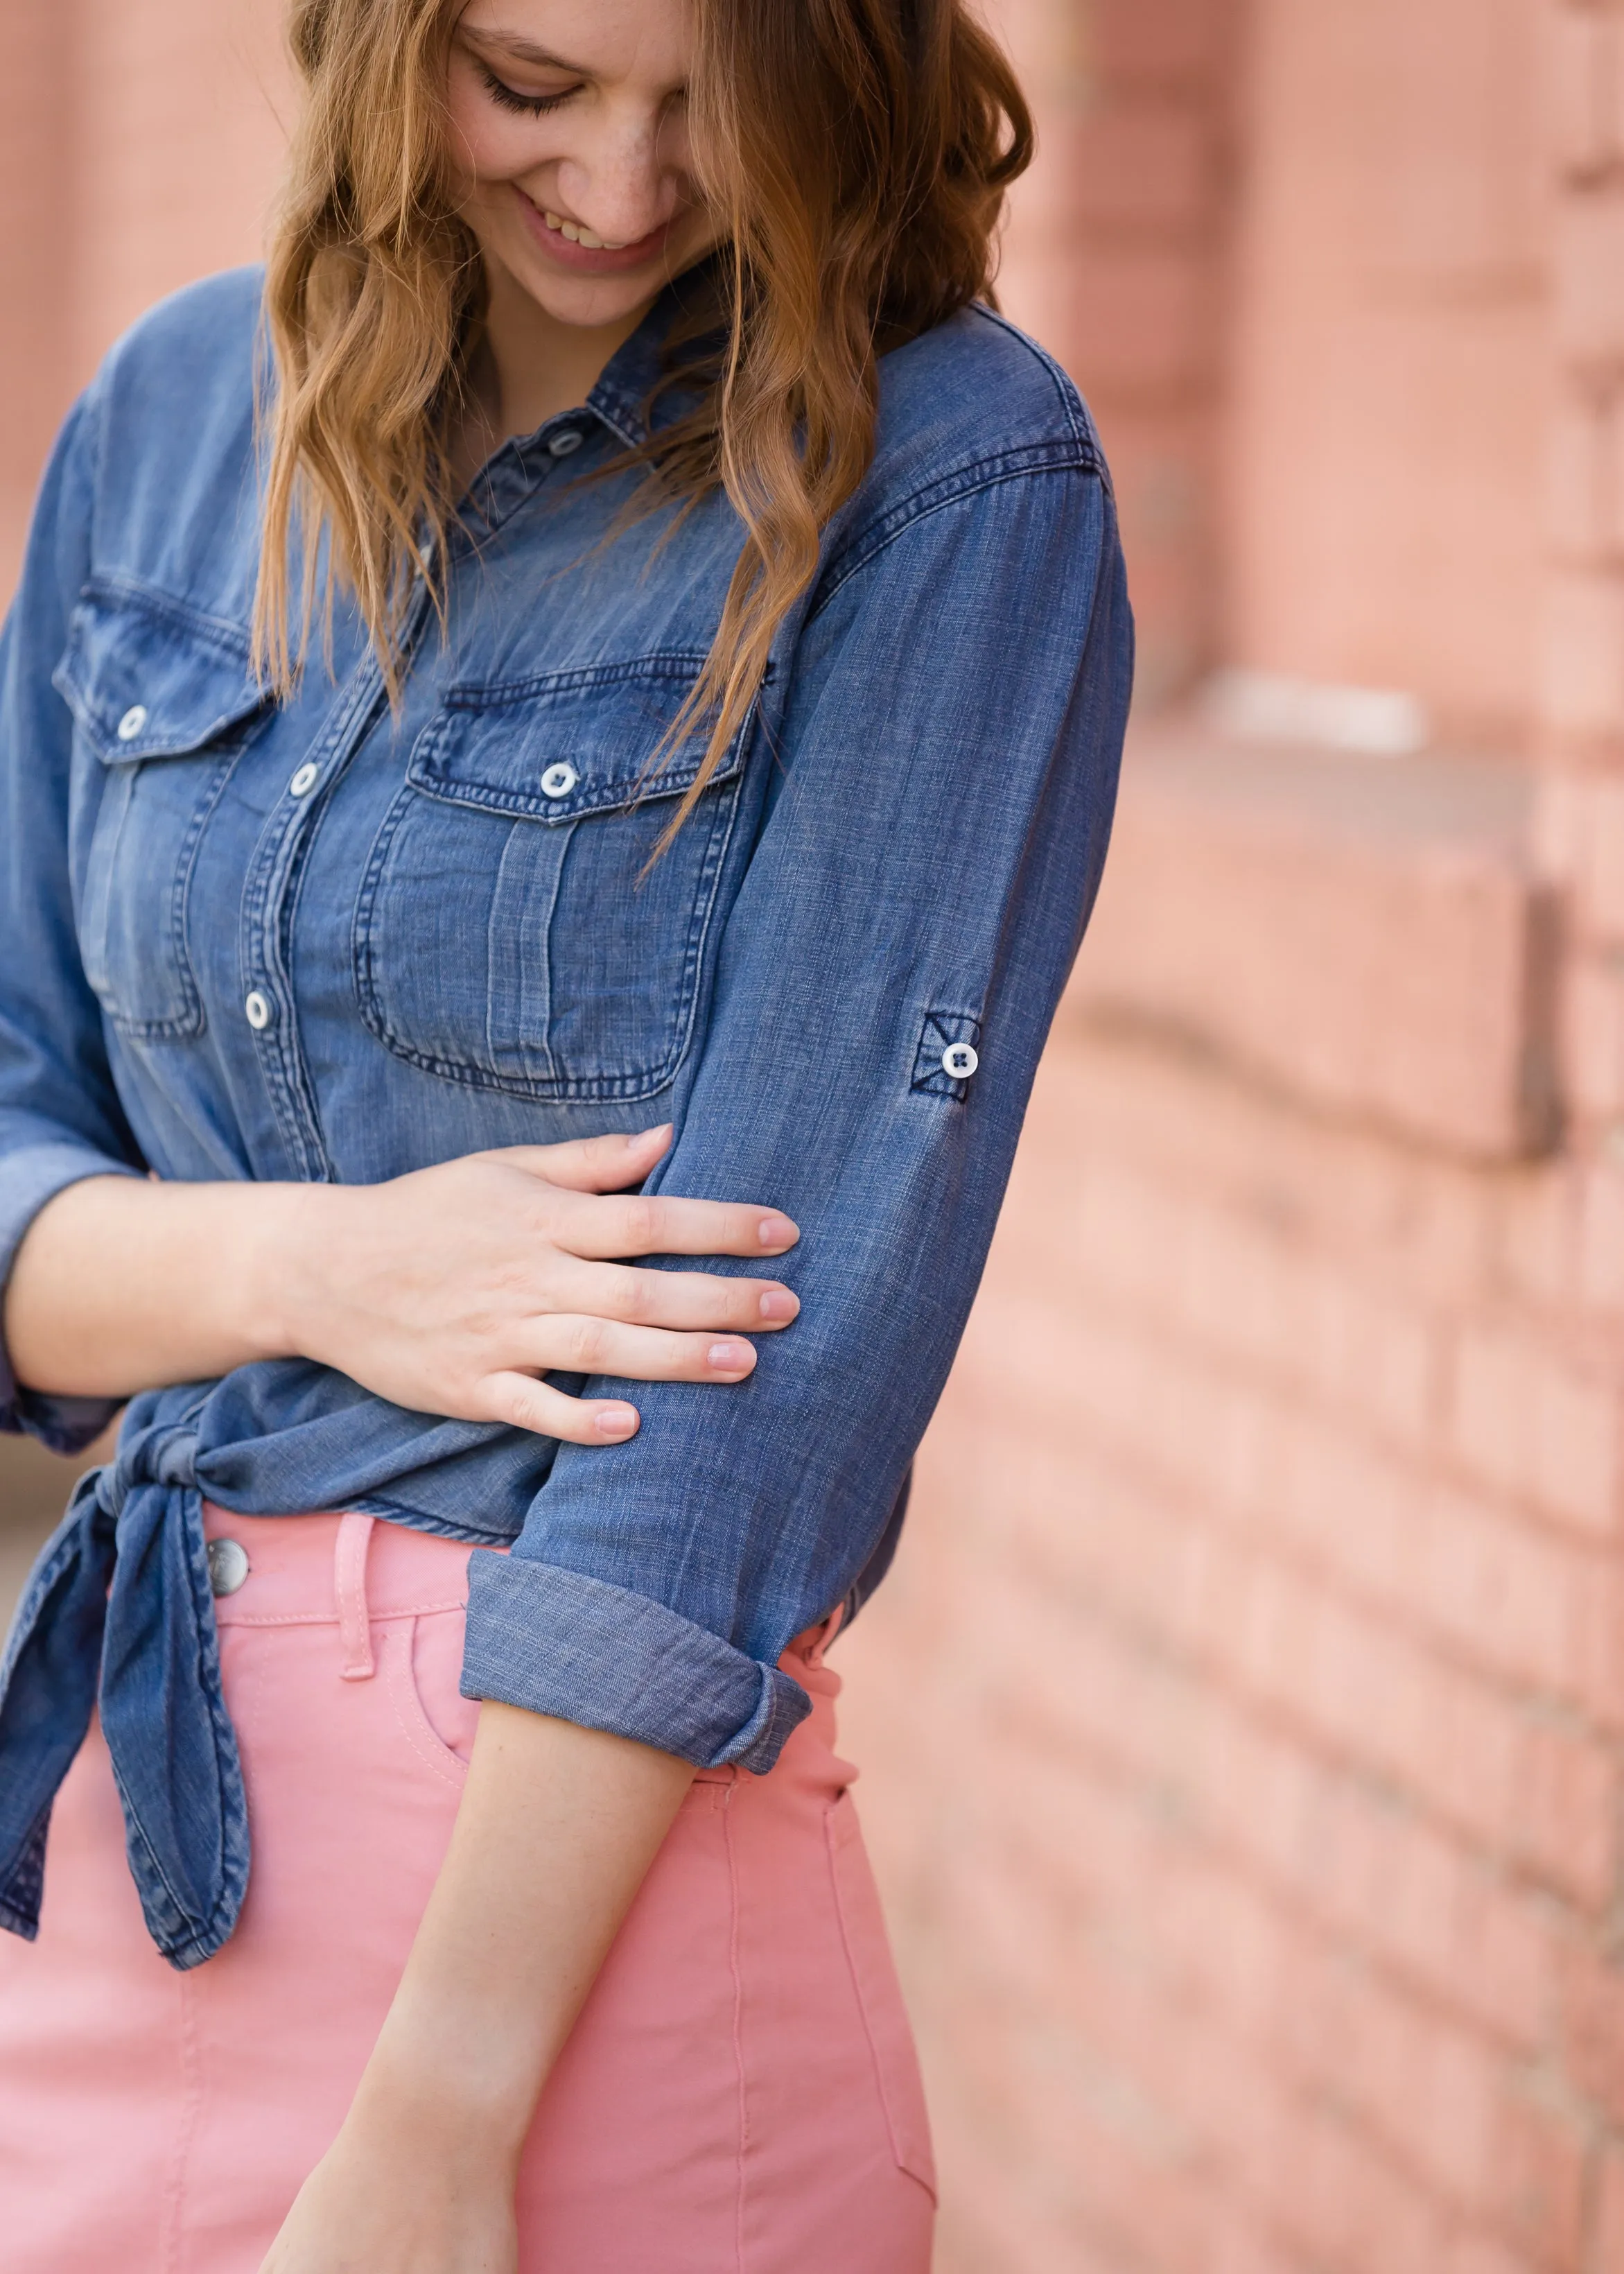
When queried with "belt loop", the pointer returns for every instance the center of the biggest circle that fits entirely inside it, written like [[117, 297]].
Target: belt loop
[[355, 1628]]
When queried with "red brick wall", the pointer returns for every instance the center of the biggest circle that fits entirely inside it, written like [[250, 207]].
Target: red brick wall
[[1245, 1726], [140, 140], [1386, 431], [1118, 260], [1242, 1724], [1243, 1720]]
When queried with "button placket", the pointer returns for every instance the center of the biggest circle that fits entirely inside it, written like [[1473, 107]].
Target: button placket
[[268, 1004]]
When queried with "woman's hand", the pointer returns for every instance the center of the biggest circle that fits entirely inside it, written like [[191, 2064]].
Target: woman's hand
[[407, 2207], [449, 1290], [452, 1288]]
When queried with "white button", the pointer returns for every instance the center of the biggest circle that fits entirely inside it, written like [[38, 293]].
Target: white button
[[228, 1565], [959, 1060], [130, 725], [566, 439], [258, 1011], [559, 781], [304, 780]]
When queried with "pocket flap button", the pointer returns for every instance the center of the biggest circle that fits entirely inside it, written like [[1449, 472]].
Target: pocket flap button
[[559, 781], [228, 1565], [960, 1060], [130, 725]]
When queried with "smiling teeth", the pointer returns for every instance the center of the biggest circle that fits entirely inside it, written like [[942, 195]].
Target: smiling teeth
[[577, 235]]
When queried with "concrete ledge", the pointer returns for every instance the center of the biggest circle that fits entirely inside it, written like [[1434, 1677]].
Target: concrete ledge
[[1366, 934]]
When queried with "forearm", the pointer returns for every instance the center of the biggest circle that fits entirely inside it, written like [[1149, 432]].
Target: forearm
[[453, 1289], [123, 1284], [557, 1828]]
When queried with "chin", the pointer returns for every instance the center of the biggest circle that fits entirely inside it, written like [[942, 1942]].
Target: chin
[[584, 300], [590, 302]]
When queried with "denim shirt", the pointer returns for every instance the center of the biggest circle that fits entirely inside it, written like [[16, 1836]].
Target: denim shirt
[[325, 940]]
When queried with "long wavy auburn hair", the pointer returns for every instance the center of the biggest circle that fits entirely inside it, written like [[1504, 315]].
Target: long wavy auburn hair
[[857, 152]]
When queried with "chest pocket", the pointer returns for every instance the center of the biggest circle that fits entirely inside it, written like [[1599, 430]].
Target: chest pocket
[[162, 704], [508, 935]]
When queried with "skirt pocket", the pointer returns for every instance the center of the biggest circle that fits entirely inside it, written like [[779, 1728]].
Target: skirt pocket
[[879, 1994], [421, 1663]]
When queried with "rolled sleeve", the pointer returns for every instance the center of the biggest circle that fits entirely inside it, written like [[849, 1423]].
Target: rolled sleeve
[[946, 769], [558, 1642], [60, 1119], [30, 1176]]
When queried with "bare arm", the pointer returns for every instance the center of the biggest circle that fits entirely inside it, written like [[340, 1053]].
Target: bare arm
[[119, 1286], [448, 1291], [557, 1827]]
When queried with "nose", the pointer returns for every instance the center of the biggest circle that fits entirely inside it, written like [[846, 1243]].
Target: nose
[[614, 180]]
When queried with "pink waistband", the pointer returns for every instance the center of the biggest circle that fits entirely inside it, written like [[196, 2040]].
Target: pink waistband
[[297, 1567], [348, 1570]]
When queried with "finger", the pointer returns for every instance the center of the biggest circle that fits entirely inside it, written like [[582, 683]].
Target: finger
[[524, 1403], [590, 1165], [645, 1224], [580, 1344], [696, 1301]]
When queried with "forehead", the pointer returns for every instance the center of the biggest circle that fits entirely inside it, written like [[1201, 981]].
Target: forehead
[[644, 40]]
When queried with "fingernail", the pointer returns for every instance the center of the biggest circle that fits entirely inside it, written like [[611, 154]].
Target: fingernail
[[731, 1358], [775, 1231], [779, 1303], [615, 1420], [662, 1129]]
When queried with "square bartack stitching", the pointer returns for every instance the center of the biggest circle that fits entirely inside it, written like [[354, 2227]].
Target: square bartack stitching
[[946, 1060]]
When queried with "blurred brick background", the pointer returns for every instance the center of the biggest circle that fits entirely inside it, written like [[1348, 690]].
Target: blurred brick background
[[1244, 1726]]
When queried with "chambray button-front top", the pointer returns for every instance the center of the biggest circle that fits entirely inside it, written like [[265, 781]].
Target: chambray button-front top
[[130, 725], [451, 961], [304, 780], [960, 1060], [228, 1565], [566, 439]]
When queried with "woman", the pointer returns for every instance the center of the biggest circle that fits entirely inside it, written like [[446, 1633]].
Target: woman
[[609, 632]]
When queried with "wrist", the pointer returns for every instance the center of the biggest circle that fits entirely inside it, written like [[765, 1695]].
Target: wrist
[[288, 1259], [468, 2092]]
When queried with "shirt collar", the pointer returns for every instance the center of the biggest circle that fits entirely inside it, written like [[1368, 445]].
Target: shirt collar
[[621, 396], [619, 400]]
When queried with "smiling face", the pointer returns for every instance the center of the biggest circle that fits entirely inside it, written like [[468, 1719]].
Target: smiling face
[[569, 139]]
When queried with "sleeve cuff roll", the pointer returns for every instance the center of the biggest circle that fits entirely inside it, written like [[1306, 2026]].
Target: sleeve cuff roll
[[557, 1642], [29, 1176]]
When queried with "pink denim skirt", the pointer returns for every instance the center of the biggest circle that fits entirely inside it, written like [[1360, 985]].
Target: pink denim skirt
[[740, 2096]]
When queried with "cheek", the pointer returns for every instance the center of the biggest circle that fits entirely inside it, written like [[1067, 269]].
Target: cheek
[[487, 145], [674, 152]]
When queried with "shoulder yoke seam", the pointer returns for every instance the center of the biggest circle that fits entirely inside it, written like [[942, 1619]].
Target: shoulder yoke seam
[[951, 489], [1071, 401]]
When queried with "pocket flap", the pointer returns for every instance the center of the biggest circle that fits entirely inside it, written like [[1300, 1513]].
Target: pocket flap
[[572, 743], [146, 678]]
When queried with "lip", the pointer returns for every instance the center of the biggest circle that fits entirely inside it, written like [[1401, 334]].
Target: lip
[[582, 258]]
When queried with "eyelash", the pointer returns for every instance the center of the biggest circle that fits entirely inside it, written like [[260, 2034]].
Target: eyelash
[[509, 98]]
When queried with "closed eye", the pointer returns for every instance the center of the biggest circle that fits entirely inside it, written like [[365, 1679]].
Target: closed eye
[[508, 98]]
